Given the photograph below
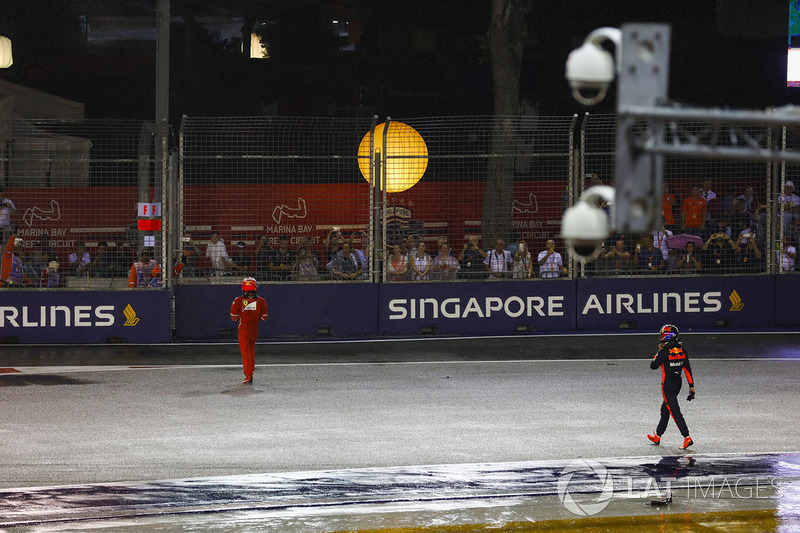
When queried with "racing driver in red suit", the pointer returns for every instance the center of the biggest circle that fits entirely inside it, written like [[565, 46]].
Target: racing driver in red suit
[[248, 309], [673, 360]]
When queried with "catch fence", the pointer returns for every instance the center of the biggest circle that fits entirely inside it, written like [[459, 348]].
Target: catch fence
[[285, 195]]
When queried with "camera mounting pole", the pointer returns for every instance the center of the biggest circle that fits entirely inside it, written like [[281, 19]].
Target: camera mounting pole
[[643, 83]]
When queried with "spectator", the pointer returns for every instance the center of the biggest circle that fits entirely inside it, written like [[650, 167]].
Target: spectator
[[749, 258], [719, 252], [648, 258], [748, 200], [689, 261], [471, 259], [305, 244], [189, 254], [262, 257], [345, 264], [283, 260], [739, 218], [499, 262], [790, 203], [693, 212], [523, 263], [759, 224], [51, 279], [420, 264], [305, 268], [618, 260], [410, 245], [12, 272], [667, 204], [441, 241], [7, 208], [550, 263], [787, 255], [242, 262], [332, 244], [594, 181], [714, 207], [102, 265], [145, 273], [362, 252], [42, 254], [445, 266], [218, 254], [724, 227], [706, 193], [660, 237], [397, 265], [79, 260]]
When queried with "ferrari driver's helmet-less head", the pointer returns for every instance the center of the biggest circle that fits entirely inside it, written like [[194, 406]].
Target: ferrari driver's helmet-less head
[[249, 284], [669, 333]]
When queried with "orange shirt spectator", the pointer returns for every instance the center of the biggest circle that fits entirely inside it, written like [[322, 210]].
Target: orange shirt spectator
[[694, 210], [667, 201], [145, 273]]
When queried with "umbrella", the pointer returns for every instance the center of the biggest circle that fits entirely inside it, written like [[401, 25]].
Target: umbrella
[[680, 241]]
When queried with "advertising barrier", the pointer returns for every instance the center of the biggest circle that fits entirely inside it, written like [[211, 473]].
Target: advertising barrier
[[342, 310], [84, 317], [787, 291], [295, 310], [485, 308], [743, 302]]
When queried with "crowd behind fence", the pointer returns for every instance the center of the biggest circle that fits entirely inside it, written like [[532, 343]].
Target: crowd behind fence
[[311, 199]]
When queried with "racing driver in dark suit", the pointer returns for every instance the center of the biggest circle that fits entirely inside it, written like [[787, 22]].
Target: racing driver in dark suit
[[672, 359]]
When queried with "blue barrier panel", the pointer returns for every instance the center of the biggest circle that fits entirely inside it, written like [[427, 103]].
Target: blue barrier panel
[[84, 317], [787, 292], [746, 302], [295, 309], [479, 308]]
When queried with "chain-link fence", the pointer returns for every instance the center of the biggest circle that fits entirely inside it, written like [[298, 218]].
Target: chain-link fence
[[785, 204], [715, 212], [329, 199], [295, 199], [71, 191]]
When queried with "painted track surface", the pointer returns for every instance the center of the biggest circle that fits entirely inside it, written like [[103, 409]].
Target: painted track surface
[[373, 408]]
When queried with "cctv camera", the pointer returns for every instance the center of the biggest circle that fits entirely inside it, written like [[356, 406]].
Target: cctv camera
[[590, 68], [590, 71], [585, 226]]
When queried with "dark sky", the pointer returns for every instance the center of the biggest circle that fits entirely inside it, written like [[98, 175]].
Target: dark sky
[[416, 58]]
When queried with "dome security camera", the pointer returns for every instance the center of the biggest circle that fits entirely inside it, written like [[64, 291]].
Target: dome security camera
[[590, 68], [585, 226]]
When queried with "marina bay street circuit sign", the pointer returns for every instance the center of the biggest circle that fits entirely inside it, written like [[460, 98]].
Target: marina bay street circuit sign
[[52, 317]]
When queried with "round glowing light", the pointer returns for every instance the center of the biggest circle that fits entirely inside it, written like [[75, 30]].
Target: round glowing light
[[6, 59], [405, 160]]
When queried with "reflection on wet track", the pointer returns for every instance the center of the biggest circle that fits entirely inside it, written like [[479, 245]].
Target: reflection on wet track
[[756, 490]]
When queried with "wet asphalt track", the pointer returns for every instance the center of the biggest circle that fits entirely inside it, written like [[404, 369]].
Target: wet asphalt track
[[79, 414]]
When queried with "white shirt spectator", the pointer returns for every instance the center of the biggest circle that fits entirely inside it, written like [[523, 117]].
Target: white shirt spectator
[[499, 262], [788, 199], [85, 258], [551, 268], [6, 208], [786, 261], [218, 255], [660, 241]]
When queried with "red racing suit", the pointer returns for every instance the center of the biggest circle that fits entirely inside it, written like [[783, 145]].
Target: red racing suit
[[248, 311], [673, 361]]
